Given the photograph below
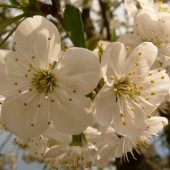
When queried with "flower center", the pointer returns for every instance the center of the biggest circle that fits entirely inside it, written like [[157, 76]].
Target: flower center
[[126, 87], [44, 81]]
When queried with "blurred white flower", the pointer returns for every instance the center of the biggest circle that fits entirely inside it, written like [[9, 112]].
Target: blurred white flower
[[150, 27], [81, 152], [122, 144], [131, 91], [132, 6], [45, 85]]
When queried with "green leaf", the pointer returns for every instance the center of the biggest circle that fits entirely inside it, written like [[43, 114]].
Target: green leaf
[[4, 24], [74, 25]]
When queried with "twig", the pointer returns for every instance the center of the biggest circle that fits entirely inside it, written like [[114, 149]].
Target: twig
[[105, 20], [56, 11]]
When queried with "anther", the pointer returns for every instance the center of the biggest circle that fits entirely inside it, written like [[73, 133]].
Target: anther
[[112, 77], [152, 93], [159, 69], [32, 124], [133, 109], [122, 114], [124, 123], [147, 98], [139, 54]]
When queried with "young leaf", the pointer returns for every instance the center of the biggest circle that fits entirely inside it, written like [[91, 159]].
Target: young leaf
[[7, 36], [4, 24], [2, 42], [74, 25]]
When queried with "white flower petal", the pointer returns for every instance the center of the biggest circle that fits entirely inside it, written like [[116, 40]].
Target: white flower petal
[[130, 40], [156, 86], [156, 124], [130, 6], [145, 24], [128, 119], [37, 39], [53, 133], [56, 151], [38, 146], [2, 72], [18, 77], [80, 70], [71, 113], [163, 28], [113, 60], [104, 103], [141, 59], [21, 111]]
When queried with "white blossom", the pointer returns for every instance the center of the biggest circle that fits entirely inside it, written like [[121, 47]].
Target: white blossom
[[151, 27], [132, 91], [80, 152], [131, 6], [123, 145], [45, 85]]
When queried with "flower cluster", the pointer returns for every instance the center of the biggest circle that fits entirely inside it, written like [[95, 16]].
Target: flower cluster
[[46, 92]]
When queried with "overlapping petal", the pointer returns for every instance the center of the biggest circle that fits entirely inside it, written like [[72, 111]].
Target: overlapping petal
[[113, 60], [128, 119], [25, 114], [104, 104], [37, 39], [2, 72], [79, 70], [156, 86], [68, 109], [18, 74], [145, 24], [141, 59]]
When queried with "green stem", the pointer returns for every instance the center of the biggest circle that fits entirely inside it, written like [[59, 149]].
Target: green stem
[[10, 6], [10, 33]]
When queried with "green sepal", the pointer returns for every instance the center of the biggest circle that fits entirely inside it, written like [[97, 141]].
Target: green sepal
[[79, 140]]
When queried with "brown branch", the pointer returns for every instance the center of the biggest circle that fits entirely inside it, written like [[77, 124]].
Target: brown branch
[[56, 11], [105, 20]]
